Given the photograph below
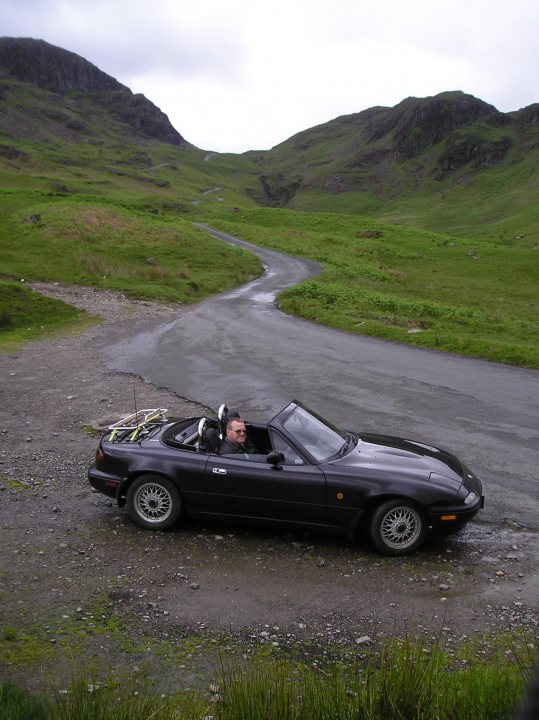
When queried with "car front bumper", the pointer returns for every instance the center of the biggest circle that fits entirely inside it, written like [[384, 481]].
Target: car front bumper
[[454, 516]]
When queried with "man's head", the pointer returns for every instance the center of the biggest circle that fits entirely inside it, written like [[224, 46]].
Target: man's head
[[235, 430]]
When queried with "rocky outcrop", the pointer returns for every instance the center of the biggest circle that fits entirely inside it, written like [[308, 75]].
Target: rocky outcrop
[[471, 149], [528, 115], [60, 71], [52, 68], [277, 190], [416, 124]]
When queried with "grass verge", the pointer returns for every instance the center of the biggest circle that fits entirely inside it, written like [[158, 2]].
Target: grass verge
[[26, 315], [403, 680]]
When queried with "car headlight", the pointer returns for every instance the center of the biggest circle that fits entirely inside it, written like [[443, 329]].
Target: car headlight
[[471, 497]]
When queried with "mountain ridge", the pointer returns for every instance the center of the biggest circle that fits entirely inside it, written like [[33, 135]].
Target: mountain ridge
[[429, 138], [421, 162], [63, 72]]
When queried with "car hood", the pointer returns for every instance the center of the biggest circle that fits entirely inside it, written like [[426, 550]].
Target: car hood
[[387, 453]]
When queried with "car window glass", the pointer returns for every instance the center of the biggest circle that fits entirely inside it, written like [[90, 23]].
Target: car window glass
[[319, 439], [290, 455]]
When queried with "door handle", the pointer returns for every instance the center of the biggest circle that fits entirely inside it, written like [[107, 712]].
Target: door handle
[[219, 471]]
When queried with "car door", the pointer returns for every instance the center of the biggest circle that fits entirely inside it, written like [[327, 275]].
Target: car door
[[248, 486]]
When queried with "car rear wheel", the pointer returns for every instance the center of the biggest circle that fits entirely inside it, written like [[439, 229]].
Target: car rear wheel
[[153, 502], [397, 527]]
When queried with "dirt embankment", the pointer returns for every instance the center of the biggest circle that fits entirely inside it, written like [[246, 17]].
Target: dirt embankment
[[81, 586]]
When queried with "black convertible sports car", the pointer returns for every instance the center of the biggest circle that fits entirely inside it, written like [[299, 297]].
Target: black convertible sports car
[[305, 473]]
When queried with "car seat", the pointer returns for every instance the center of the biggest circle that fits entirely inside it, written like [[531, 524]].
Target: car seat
[[211, 440]]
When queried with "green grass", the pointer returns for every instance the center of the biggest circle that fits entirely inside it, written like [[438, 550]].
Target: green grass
[[17, 704], [403, 680], [497, 205], [27, 315], [138, 253], [477, 298], [406, 681]]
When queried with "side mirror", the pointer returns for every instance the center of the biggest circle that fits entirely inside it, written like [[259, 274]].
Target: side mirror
[[275, 459]]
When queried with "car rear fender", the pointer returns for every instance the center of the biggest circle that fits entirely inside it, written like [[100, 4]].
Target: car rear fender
[[123, 488]]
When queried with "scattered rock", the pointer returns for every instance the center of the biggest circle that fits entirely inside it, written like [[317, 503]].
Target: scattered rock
[[364, 640]]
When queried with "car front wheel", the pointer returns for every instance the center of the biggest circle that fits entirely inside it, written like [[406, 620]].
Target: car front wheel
[[153, 502], [397, 527]]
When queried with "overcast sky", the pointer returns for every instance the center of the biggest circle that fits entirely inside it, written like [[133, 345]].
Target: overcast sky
[[248, 74]]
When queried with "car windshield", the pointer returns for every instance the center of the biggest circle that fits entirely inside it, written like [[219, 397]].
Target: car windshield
[[316, 435]]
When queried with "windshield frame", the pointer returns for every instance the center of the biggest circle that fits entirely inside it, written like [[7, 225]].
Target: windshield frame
[[317, 438]]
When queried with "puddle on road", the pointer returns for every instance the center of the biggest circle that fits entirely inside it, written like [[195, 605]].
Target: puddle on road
[[264, 298]]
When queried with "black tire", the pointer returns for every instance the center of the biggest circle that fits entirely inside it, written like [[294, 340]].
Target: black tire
[[397, 527], [153, 502]]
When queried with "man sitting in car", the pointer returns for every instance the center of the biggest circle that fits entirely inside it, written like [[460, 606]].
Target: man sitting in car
[[236, 440]]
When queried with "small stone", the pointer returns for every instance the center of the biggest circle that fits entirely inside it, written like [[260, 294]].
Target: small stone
[[364, 640], [194, 586]]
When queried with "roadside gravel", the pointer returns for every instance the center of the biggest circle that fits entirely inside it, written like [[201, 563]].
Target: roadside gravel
[[81, 585]]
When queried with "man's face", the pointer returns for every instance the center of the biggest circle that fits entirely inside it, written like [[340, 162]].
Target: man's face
[[236, 432]]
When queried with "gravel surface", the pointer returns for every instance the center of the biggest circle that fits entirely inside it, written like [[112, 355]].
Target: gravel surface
[[81, 586]]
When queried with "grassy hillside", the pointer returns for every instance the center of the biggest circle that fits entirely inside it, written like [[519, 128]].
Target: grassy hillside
[[450, 163], [474, 297], [141, 254], [496, 206]]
